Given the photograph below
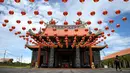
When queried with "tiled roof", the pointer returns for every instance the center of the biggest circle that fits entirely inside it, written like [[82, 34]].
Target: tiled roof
[[120, 53], [62, 32]]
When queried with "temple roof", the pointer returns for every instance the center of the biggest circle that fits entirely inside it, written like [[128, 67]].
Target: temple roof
[[36, 47], [62, 32], [120, 53]]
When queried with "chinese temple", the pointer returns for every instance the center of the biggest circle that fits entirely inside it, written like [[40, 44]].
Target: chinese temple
[[66, 46]]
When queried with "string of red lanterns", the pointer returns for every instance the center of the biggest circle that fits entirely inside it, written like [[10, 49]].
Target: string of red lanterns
[[64, 1]]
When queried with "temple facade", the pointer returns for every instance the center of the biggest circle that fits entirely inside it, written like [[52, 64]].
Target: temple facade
[[66, 46]]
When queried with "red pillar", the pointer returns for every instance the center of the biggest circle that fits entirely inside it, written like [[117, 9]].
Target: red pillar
[[39, 56], [91, 56]]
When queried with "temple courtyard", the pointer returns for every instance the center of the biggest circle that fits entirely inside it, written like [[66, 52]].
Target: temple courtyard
[[64, 70]]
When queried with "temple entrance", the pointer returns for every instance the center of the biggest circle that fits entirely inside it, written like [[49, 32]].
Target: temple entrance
[[65, 59]]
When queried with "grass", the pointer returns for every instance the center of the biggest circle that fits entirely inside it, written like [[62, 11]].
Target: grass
[[14, 65]]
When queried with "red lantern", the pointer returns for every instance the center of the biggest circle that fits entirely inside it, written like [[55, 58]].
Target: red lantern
[[41, 22], [49, 12], [54, 29], [107, 46], [111, 21], [99, 41], [118, 25], [126, 0], [34, 29], [3, 25], [81, 1], [55, 35], [46, 0], [19, 32], [23, 12], [117, 11], [64, 1], [96, 0], [53, 22], [79, 13], [18, 21], [99, 36], [96, 29], [106, 28], [29, 22], [105, 37], [27, 33], [75, 35], [30, 41], [86, 30], [13, 27], [65, 13], [43, 29], [65, 29], [31, 0], [124, 18], [15, 33], [99, 22], [11, 12], [76, 29], [104, 12], [108, 34], [65, 23], [6, 21], [17, 1], [88, 22], [110, 0], [92, 13], [23, 28], [1, 1], [112, 30], [77, 22], [36, 12], [10, 30]]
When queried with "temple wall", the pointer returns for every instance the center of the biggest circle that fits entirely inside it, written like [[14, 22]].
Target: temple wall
[[96, 58], [43, 57], [34, 56], [84, 58]]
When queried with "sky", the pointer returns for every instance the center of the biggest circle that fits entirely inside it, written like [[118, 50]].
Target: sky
[[15, 46]]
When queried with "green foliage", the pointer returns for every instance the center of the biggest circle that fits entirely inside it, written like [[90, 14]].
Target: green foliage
[[111, 60], [15, 64]]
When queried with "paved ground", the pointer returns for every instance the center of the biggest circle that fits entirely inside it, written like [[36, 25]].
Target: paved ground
[[18, 70]]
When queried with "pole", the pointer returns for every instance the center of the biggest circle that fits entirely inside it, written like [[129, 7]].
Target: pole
[[4, 55], [21, 58]]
